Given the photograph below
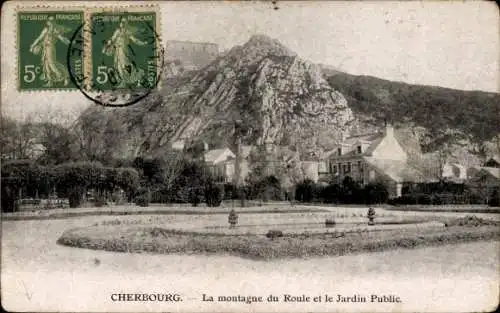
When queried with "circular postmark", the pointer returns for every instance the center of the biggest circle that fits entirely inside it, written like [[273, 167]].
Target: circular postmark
[[123, 59]]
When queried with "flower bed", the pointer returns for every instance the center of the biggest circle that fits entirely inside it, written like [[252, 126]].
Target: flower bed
[[135, 237]]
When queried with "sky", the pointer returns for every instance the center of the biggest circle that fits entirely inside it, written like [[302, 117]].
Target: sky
[[448, 43]]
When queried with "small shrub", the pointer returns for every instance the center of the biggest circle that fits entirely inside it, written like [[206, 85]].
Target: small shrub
[[273, 233], [100, 202], [142, 201], [330, 222], [495, 198], [213, 196], [371, 216], [142, 198], [232, 219], [195, 198]]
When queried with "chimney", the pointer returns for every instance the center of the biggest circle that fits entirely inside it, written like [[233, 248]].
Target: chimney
[[343, 136], [389, 129]]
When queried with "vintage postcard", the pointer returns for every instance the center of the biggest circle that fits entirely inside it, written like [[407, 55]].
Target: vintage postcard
[[250, 156]]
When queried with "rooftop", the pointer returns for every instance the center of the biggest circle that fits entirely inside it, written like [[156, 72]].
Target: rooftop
[[398, 171]]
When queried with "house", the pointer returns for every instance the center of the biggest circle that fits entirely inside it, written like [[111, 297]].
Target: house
[[179, 145], [484, 180], [310, 170], [493, 162], [369, 158], [221, 163]]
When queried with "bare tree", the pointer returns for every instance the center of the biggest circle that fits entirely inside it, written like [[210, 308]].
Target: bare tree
[[97, 136], [19, 139], [171, 168]]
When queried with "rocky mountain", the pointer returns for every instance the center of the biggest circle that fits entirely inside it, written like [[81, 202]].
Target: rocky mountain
[[274, 96], [271, 93]]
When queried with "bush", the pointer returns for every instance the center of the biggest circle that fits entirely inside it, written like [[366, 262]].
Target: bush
[[213, 195], [376, 193], [232, 218], [495, 198], [331, 193], [100, 202], [268, 188], [274, 234], [75, 196], [371, 216], [422, 199], [230, 191], [305, 191], [142, 201], [194, 198], [330, 222], [142, 198]]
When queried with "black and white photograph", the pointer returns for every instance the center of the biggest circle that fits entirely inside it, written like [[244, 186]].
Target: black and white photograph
[[250, 156]]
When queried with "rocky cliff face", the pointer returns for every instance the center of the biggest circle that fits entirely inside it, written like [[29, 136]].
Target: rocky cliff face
[[274, 95]]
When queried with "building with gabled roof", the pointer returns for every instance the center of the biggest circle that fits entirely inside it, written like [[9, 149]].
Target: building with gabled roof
[[220, 163], [368, 158], [484, 180], [494, 161]]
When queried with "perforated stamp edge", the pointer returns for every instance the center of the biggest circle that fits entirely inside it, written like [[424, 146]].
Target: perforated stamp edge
[[38, 8]]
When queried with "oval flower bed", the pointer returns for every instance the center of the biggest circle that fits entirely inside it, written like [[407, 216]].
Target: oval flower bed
[[132, 237]]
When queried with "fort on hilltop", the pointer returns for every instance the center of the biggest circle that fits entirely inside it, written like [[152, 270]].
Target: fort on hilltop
[[192, 54]]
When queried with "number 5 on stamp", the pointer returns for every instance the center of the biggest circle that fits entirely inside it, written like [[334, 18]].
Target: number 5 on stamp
[[43, 39], [124, 51]]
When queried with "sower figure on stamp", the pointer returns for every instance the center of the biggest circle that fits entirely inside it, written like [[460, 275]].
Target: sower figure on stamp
[[45, 46], [119, 48]]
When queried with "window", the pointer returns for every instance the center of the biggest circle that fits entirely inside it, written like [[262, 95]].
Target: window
[[359, 149], [360, 167], [322, 167], [334, 169], [348, 167], [330, 167], [344, 166], [339, 151]]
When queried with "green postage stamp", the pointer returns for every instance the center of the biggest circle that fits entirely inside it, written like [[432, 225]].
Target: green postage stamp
[[123, 50], [43, 40], [95, 50]]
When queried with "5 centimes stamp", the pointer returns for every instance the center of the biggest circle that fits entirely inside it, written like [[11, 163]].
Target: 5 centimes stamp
[[123, 55], [43, 38]]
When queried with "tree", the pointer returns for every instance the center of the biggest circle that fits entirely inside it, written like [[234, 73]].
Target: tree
[[128, 180], [98, 136], [268, 188], [213, 193], [73, 180], [19, 138], [240, 130], [18, 176], [171, 167], [58, 142]]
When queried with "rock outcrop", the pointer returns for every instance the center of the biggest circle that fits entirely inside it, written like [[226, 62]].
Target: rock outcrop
[[273, 94]]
